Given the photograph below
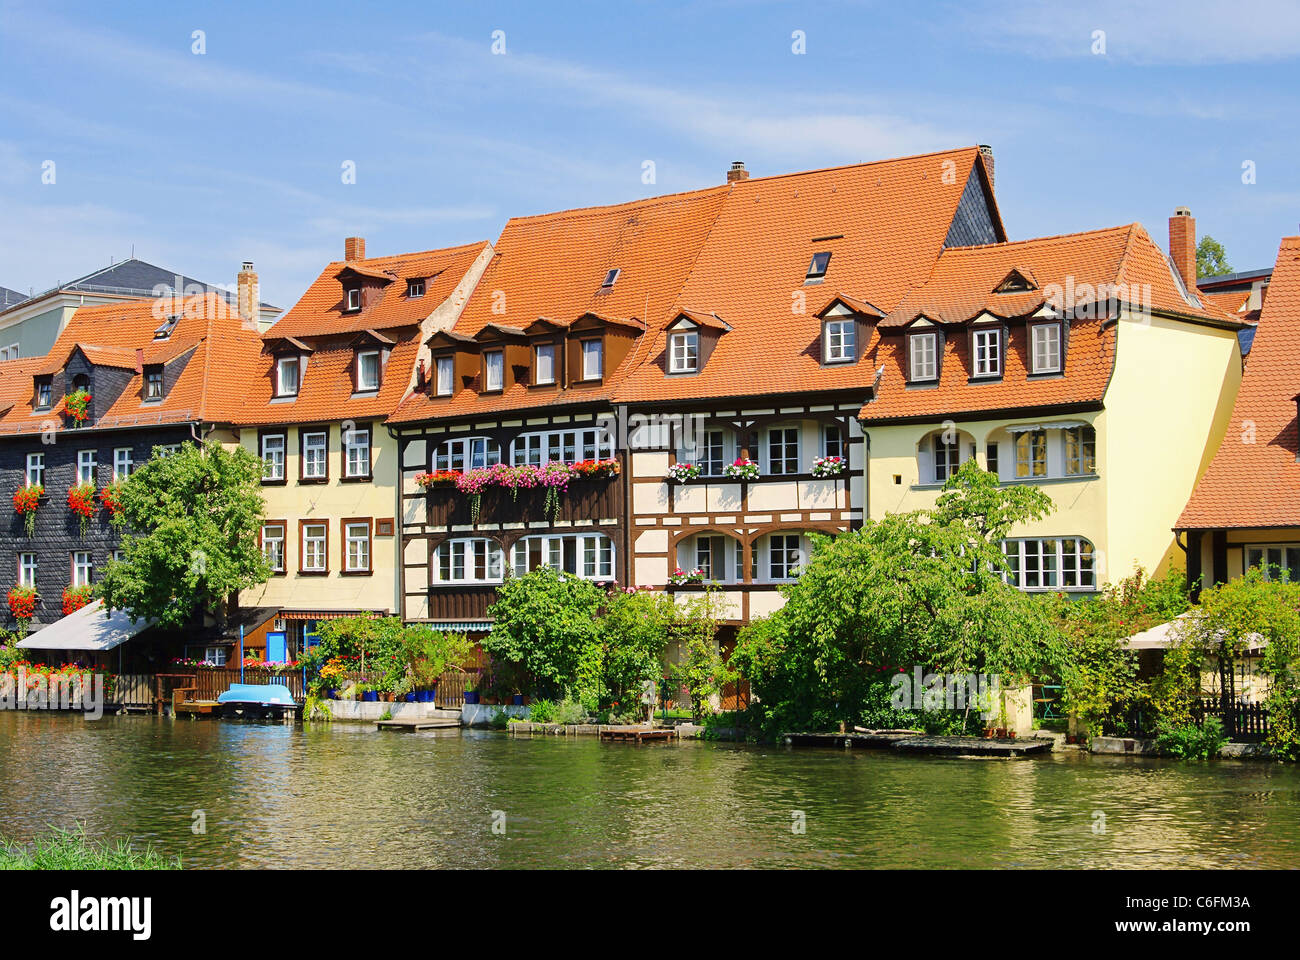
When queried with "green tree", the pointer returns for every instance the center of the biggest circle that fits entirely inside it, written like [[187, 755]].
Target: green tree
[[1211, 258], [192, 520], [633, 634]]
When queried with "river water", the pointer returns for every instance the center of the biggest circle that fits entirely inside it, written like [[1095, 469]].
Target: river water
[[276, 795]]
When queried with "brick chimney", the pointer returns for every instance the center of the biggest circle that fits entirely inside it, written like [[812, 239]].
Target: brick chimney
[[1182, 245], [249, 297], [737, 172], [354, 248], [987, 152]]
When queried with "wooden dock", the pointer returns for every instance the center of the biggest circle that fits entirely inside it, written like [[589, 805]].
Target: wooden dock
[[197, 708], [420, 723], [907, 742], [636, 734]]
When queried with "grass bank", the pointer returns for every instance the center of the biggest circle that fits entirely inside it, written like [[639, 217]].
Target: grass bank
[[73, 850]]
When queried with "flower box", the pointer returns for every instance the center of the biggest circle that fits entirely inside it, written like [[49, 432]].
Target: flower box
[[829, 466], [26, 500], [683, 472], [741, 469], [680, 576]]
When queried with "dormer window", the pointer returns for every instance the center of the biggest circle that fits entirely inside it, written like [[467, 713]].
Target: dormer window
[[444, 371], [986, 353], [352, 299], [841, 341], [610, 277], [817, 268], [684, 351], [544, 364], [923, 356], [415, 287], [153, 383], [287, 374], [44, 393], [1045, 347], [367, 370], [592, 360], [494, 370]]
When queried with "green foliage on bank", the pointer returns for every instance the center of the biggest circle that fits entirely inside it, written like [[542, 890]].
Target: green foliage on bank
[[73, 850]]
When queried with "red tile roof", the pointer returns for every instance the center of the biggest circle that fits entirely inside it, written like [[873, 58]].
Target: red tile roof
[[1254, 479]]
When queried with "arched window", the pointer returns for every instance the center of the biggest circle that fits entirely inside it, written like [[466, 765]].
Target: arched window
[[941, 453], [716, 556]]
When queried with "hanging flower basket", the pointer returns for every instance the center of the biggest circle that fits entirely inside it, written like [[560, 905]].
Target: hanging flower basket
[[741, 469], [684, 471], [74, 598], [26, 500], [77, 404], [596, 468], [22, 606], [440, 478], [81, 501], [829, 466], [111, 499]]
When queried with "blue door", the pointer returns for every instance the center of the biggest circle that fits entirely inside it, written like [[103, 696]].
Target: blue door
[[277, 650]]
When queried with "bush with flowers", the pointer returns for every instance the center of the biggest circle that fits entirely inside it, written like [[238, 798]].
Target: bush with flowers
[[81, 501], [829, 466], [683, 472], [22, 606], [26, 502], [74, 598], [741, 468]]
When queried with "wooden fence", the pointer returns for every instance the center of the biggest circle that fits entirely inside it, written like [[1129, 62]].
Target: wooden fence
[[1242, 721]]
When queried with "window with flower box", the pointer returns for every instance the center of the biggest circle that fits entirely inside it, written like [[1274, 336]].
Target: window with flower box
[[35, 470], [466, 453]]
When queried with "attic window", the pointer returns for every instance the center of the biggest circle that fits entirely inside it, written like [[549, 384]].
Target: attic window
[[287, 372], [817, 269], [353, 295], [610, 278], [168, 325], [415, 287], [44, 393], [368, 370], [153, 382], [1014, 282]]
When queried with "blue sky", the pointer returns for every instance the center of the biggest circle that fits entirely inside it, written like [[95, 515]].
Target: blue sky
[[201, 161]]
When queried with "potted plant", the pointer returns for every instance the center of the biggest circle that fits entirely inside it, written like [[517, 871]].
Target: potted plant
[[77, 405], [26, 500], [366, 692], [22, 607], [829, 466], [81, 501], [471, 695], [741, 468], [682, 472]]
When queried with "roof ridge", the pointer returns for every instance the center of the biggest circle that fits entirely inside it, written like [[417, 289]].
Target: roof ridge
[[860, 164], [460, 248], [575, 212], [1050, 238]]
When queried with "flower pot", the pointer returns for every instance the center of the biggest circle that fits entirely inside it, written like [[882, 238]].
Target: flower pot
[[370, 696], [409, 697], [430, 695], [331, 694], [471, 696], [517, 700]]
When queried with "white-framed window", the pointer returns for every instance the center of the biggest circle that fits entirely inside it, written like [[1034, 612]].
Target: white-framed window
[[494, 370], [1031, 454], [1080, 451], [592, 360], [86, 466], [415, 287], [168, 449], [684, 350], [118, 555], [273, 546], [356, 543], [987, 350], [841, 341], [315, 547], [783, 450], [368, 370], [832, 441], [467, 453], [153, 383], [44, 394], [564, 446], [587, 555], [923, 356], [353, 299], [1277, 561], [468, 560], [715, 556], [215, 656], [356, 452], [83, 570], [35, 470], [544, 362], [1045, 347], [784, 556], [287, 374], [444, 371], [1056, 563], [273, 456], [711, 452], [123, 463], [27, 569], [947, 456], [315, 455]]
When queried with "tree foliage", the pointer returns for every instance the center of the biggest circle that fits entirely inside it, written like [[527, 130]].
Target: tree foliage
[[1211, 258], [192, 520]]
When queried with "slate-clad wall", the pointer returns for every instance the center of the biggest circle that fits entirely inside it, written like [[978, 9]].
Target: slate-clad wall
[[57, 529]]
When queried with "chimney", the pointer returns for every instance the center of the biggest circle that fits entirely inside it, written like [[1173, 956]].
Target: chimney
[[1182, 245], [249, 296], [737, 172], [987, 152], [139, 359], [354, 248]]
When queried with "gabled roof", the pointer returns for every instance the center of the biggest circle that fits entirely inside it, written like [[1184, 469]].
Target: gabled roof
[[210, 388], [319, 312], [1254, 478]]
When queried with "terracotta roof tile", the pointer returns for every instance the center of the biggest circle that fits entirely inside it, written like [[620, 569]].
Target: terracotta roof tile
[[1254, 479]]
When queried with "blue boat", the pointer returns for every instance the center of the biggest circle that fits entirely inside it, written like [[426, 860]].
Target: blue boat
[[252, 700]]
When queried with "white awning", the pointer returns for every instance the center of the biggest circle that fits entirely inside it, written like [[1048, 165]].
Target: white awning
[[88, 629], [1054, 425], [1161, 637]]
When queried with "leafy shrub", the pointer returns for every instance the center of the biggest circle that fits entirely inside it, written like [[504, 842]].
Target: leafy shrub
[[542, 711], [569, 711], [1190, 742]]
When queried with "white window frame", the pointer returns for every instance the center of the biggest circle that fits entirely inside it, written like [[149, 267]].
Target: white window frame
[[35, 474], [832, 447], [1048, 347], [780, 542], [28, 565], [1257, 555], [83, 568], [356, 452], [593, 555], [362, 385], [123, 463], [444, 373], [282, 365], [308, 547], [841, 341], [415, 287], [315, 467], [356, 547], [466, 453], [1083, 440], [923, 356], [461, 556], [593, 359], [216, 656], [353, 298], [541, 447], [275, 555], [1025, 460], [87, 466], [44, 395], [779, 437], [986, 350], [494, 371], [547, 350], [699, 554], [272, 458], [1049, 563], [684, 351]]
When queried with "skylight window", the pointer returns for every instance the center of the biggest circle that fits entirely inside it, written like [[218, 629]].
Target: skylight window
[[610, 278], [168, 325], [817, 269]]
